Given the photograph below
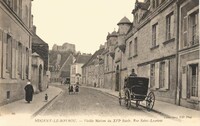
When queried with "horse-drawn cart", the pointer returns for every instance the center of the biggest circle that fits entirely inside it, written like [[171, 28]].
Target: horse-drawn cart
[[136, 89]]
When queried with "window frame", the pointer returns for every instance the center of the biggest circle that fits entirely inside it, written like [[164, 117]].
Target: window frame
[[169, 32], [154, 42], [189, 80]]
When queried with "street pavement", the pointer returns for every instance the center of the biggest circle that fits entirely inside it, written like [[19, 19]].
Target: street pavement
[[164, 108], [22, 108], [92, 103]]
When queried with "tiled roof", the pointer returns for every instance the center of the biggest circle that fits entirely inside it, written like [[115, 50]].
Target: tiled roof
[[82, 58], [94, 56], [124, 20], [38, 40]]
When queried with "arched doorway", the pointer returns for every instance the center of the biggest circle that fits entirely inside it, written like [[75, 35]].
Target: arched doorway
[[40, 78], [117, 79]]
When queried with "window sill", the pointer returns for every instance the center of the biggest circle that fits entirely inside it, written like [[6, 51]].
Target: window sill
[[169, 41], [154, 47], [153, 88], [193, 100], [188, 47], [130, 58], [163, 89], [135, 55]]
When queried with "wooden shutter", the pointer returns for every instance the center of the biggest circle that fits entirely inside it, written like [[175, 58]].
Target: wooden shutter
[[149, 74], [184, 82], [172, 26], [4, 54], [1, 52], [13, 58], [157, 74], [167, 76], [185, 32]]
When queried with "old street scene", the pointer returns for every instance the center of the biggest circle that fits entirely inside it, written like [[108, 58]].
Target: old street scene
[[133, 62]]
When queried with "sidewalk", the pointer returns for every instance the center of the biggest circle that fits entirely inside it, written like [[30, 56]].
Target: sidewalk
[[21, 107], [163, 108]]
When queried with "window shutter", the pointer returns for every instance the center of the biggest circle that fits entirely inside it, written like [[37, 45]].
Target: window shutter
[[188, 77], [149, 74], [184, 82], [167, 77], [4, 54], [16, 59], [29, 65], [185, 31], [157, 70], [23, 63], [13, 58], [1, 52], [172, 28], [157, 34]]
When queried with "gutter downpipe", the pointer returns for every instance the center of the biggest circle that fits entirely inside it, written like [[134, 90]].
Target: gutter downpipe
[[178, 84]]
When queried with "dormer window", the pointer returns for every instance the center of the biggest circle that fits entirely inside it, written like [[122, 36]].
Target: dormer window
[[156, 3], [136, 18]]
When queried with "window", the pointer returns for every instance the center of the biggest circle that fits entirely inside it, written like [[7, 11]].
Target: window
[[1, 53], [20, 59], [154, 3], [135, 47], [184, 31], [194, 19], [8, 53], [73, 70], [162, 75], [15, 7], [152, 75], [193, 80], [27, 62], [157, 3], [154, 34], [130, 49], [20, 8], [107, 63], [169, 26]]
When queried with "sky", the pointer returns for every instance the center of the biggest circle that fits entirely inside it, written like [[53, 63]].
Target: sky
[[85, 23]]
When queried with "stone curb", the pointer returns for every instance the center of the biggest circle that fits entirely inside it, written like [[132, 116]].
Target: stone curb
[[44, 106]]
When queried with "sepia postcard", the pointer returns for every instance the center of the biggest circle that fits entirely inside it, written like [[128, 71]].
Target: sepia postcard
[[99, 63]]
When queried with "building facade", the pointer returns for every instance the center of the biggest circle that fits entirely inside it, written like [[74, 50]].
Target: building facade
[[109, 61], [40, 68], [15, 47], [188, 54], [93, 70], [151, 46], [76, 68], [162, 43]]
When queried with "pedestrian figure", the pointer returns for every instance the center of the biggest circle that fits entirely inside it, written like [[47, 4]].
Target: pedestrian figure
[[133, 73], [46, 97], [77, 88], [29, 92]]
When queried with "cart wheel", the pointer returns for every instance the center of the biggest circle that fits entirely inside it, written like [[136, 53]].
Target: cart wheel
[[137, 103], [128, 100], [150, 101]]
